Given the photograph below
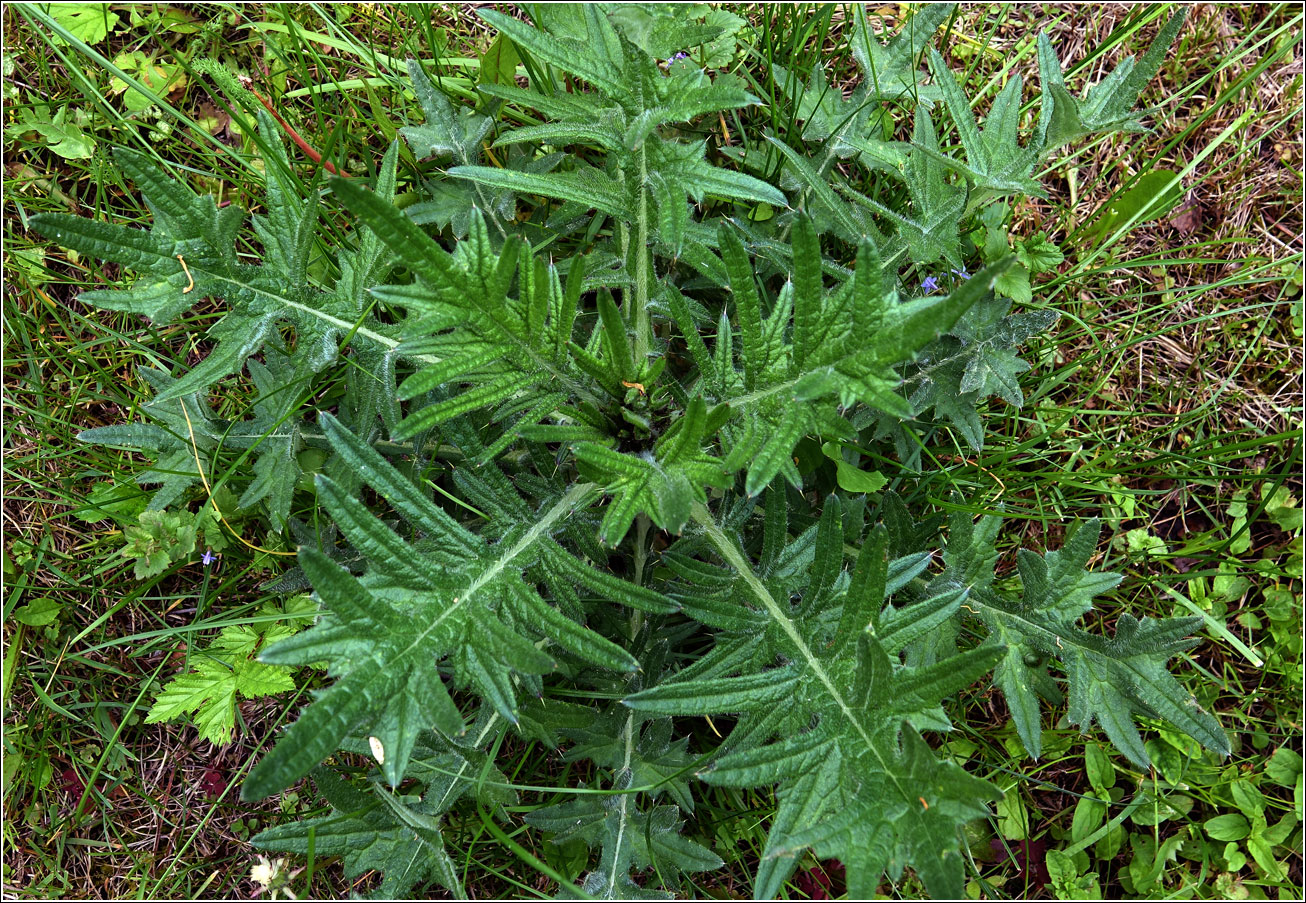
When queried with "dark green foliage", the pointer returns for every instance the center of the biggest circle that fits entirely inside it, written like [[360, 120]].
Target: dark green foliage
[[850, 761], [1107, 105], [373, 827], [578, 444], [640, 753], [1109, 680]]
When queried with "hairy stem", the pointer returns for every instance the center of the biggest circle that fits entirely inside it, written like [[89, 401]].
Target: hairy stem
[[641, 557], [643, 329], [628, 734]]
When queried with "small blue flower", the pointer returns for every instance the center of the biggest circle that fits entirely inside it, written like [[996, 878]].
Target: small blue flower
[[930, 284], [208, 558]]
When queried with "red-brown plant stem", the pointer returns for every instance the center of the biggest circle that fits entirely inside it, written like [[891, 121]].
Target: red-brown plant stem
[[294, 136]]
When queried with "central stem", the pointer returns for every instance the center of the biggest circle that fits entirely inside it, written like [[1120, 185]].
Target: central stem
[[641, 557], [639, 316], [628, 733], [734, 556]]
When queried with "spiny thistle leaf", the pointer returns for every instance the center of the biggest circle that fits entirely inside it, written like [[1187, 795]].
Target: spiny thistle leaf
[[1105, 106], [371, 832], [1109, 680], [995, 159], [387, 634], [890, 70], [877, 777], [854, 337], [641, 755]]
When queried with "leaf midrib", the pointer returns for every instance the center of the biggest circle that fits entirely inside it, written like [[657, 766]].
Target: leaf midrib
[[736, 559], [573, 498]]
